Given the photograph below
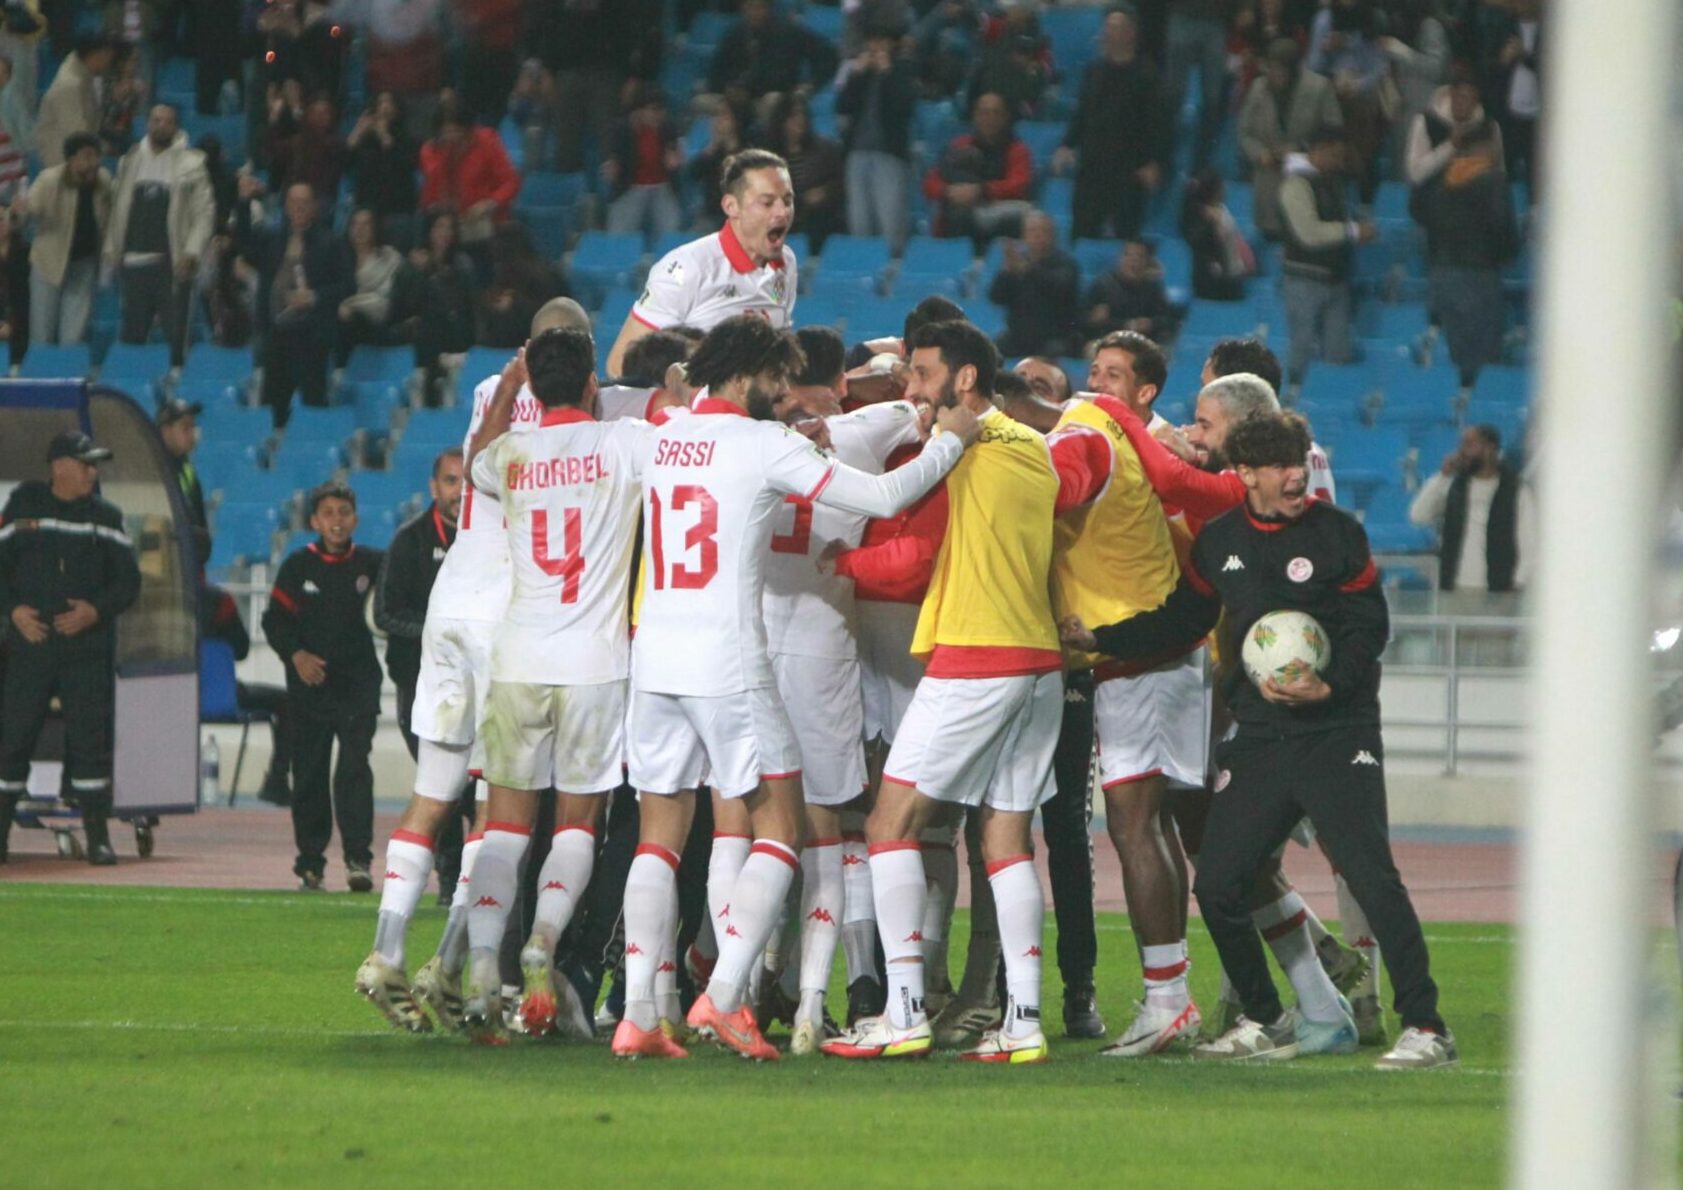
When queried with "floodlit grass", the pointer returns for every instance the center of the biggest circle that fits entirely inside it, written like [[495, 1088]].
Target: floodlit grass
[[172, 1038]]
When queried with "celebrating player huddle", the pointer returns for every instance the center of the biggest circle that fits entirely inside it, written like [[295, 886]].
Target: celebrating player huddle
[[669, 604]]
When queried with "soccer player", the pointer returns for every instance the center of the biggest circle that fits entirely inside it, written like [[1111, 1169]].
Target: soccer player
[[469, 597], [571, 491], [983, 723], [1231, 356], [746, 267], [812, 637], [704, 697], [1309, 747]]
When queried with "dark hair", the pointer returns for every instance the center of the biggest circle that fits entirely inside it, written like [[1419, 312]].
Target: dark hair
[[933, 308], [379, 240], [559, 365], [743, 346], [92, 43], [959, 344], [1008, 386], [786, 106], [1058, 370], [333, 489], [646, 360], [738, 165], [694, 334], [1246, 355], [77, 141], [825, 353], [450, 113], [1151, 366], [1491, 435], [449, 452], [1268, 440], [432, 219]]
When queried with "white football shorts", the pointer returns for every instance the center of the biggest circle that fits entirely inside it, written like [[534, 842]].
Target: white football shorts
[[981, 741], [571, 738], [821, 697], [455, 674], [889, 674], [1155, 723], [733, 741]]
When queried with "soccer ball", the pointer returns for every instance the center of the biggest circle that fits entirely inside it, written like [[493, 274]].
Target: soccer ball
[[1284, 646]]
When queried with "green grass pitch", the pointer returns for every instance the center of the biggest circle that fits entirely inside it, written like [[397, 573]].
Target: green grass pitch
[[158, 1037]]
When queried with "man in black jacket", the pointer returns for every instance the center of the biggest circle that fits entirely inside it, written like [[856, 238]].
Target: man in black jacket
[[303, 274], [67, 570], [878, 98], [1309, 747], [179, 428], [316, 621], [1484, 514]]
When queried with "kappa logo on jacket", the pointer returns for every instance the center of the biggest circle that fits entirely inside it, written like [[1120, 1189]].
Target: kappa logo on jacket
[[1364, 757]]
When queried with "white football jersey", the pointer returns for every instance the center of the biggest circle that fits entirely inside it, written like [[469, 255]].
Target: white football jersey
[[708, 280], [571, 490], [713, 491], [473, 583], [808, 613], [616, 401]]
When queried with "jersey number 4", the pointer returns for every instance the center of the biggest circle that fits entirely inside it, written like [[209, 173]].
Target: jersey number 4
[[699, 536], [569, 567]]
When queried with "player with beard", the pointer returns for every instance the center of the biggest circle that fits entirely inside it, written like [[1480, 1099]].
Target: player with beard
[[746, 267], [704, 695]]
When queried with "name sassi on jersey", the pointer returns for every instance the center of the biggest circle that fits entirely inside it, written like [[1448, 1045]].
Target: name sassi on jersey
[[684, 454], [552, 473]]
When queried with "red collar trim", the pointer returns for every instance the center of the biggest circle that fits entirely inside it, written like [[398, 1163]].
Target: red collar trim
[[738, 255], [709, 404], [332, 559], [1276, 526], [563, 415], [438, 527]]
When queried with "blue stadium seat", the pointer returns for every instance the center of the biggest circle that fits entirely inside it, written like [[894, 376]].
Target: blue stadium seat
[[334, 426], [707, 29], [826, 22], [671, 240], [375, 526], [1391, 201], [1398, 322], [1389, 531], [480, 364], [45, 361], [541, 188], [935, 123], [299, 466], [1095, 257], [606, 260], [210, 368], [1075, 368], [1219, 320], [1190, 351], [300, 540], [1433, 445], [1503, 385], [378, 365], [1422, 397], [1346, 384], [1042, 138], [433, 429], [1241, 203], [820, 309], [681, 74], [1176, 259], [1509, 420], [987, 318], [548, 227], [1368, 458], [134, 365], [875, 318], [243, 531], [932, 264], [857, 260], [402, 491], [1057, 199], [375, 403], [607, 320], [1073, 32], [224, 466]]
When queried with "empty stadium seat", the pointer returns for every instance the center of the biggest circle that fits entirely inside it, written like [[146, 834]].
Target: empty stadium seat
[[1389, 530], [707, 29], [615, 308], [548, 226], [1073, 32], [375, 403], [1368, 458], [243, 532], [930, 263], [336, 425], [210, 368], [1176, 259], [1095, 257], [1391, 201], [1397, 322], [1503, 385], [875, 318], [402, 491], [606, 260], [821, 309], [378, 365], [854, 260], [1418, 397], [479, 365], [46, 361], [1346, 384], [1219, 320], [539, 188], [134, 365], [1042, 138], [435, 428]]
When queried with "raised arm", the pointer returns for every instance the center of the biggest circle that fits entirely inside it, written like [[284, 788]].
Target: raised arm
[[1174, 479], [499, 414]]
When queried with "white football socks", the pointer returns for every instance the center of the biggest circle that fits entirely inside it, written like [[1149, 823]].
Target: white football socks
[[859, 909], [1164, 970], [821, 912], [1283, 927], [754, 906], [452, 947], [724, 865], [940, 874], [1021, 909], [1359, 934], [494, 885], [651, 926], [899, 889], [408, 863], [561, 882]]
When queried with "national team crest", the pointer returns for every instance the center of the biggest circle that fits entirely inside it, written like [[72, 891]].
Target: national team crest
[[1300, 570], [777, 287]]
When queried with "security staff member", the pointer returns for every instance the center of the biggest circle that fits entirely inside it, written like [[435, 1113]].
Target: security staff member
[[67, 570], [316, 622], [179, 428], [1310, 747]]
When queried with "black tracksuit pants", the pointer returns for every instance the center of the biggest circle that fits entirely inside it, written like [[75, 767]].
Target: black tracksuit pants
[[82, 678], [348, 797], [1066, 819], [1264, 785]]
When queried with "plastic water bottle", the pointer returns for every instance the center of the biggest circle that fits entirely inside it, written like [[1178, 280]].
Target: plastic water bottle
[[210, 773]]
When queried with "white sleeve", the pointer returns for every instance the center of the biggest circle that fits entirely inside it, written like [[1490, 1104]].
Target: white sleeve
[[794, 465], [487, 472], [887, 427], [668, 293], [854, 491], [633, 435], [1525, 535], [1428, 506]]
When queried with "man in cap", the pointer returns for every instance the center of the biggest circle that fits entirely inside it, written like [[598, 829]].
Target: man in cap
[[178, 426]]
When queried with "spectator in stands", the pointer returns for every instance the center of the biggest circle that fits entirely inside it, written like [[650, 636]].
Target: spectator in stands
[[1417, 43], [589, 51], [1118, 137], [122, 94], [14, 290], [1258, 25], [383, 160], [947, 40], [302, 275], [161, 218], [230, 293], [405, 55], [983, 179], [1343, 48], [72, 103], [1283, 106], [1039, 286], [490, 52], [219, 619], [1221, 259], [1439, 133], [1015, 66], [447, 288], [1484, 515], [1320, 239], [466, 170], [373, 313], [70, 208], [708, 166], [217, 48], [17, 134], [284, 115], [521, 282], [642, 166], [1513, 46], [815, 169], [178, 429], [224, 185], [19, 40], [299, 43], [313, 153], [878, 98], [1467, 212], [1130, 297], [1198, 39], [766, 52]]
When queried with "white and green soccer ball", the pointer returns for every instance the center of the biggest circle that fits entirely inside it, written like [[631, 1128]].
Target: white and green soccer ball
[[1284, 646]]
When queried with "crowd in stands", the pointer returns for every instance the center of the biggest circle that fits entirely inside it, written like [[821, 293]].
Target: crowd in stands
[[357, 195]]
